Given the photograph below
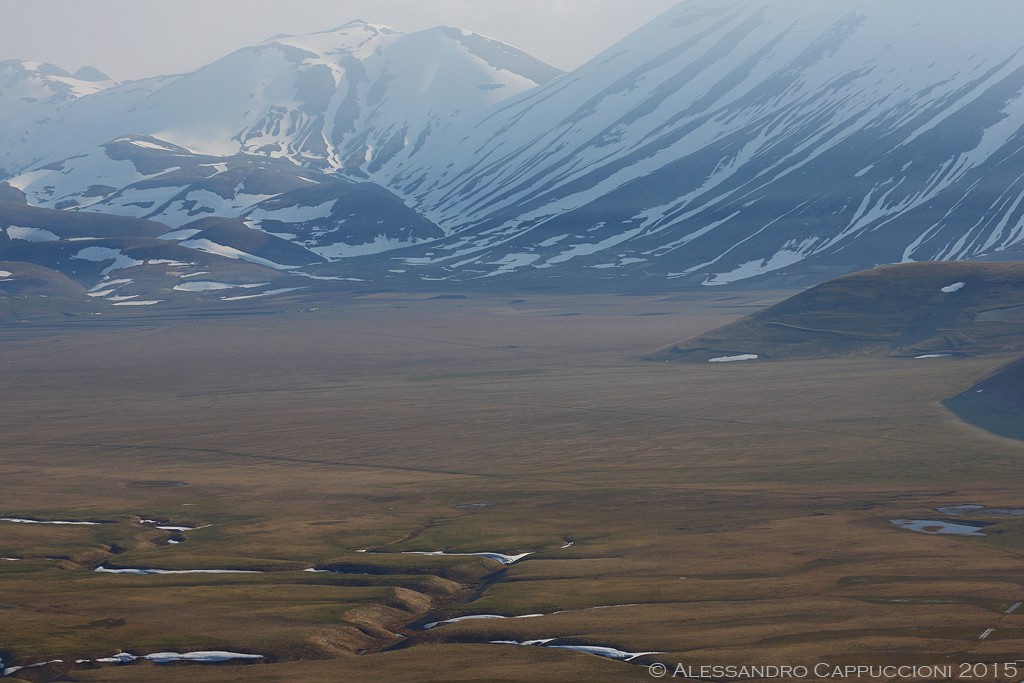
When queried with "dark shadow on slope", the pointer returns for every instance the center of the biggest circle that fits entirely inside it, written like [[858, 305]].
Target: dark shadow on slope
[[995, 404]]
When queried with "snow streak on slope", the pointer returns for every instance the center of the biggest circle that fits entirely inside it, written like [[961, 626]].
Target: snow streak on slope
[[729, 139]]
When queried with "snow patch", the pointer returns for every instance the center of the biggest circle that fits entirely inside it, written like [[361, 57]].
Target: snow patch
[[781, 259], [474, 617], [608, 652], [271, 292], [207, 286], [513, 262], [204, 657], [157, 572], [112, 283], [148, 145], [11, 669], [177, 235], [500, 557], [733, 359], [552, 241], [101, 254], [588, 249], [232, 253], [343, 250], [31, 234], [19, 520], [954, 288]]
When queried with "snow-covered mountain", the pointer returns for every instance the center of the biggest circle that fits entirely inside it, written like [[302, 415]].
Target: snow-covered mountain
[[732, 138], [278, 139], [352, 99], [728, 141]]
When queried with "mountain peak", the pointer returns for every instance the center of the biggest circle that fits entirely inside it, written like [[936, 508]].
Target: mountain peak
[[39, 68], [91, 74], [355, 37], [363, 25]]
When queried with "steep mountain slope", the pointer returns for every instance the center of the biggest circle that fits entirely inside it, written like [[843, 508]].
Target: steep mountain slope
[[917, 310], [731, 139]]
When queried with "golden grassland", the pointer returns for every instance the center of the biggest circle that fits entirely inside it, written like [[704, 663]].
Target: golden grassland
[[718, 514]]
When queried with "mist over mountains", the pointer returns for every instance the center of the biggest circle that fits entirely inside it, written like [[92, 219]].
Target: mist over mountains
[[726, 143]]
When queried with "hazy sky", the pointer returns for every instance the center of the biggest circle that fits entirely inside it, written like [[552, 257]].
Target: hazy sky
[[139, 38]]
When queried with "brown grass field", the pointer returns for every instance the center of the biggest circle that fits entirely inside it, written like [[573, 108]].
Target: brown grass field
[[732, 514]]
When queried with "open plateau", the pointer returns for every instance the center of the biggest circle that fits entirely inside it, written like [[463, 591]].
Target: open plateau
[[373, 356]]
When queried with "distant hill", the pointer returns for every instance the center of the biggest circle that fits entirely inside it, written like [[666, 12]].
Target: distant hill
[[996, 403], [27, 289], [69, 262], [909, 310]]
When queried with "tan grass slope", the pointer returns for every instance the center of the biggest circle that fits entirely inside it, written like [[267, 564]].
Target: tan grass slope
[[905, 310]]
